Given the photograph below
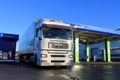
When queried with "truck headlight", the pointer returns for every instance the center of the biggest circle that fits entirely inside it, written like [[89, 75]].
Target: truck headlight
[[70, 56], [44, 55]]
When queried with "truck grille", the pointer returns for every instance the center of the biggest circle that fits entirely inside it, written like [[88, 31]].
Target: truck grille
[[58, 45], [57, 55], [54, 61]]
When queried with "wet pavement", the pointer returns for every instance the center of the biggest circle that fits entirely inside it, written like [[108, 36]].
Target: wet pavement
[[15, 71]]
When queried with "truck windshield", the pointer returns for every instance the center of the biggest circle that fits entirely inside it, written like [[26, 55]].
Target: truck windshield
[[57, 33]]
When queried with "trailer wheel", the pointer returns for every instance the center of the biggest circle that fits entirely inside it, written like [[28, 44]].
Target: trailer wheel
[[21, 58]]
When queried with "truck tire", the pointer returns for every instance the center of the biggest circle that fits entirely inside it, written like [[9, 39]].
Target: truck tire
[[35, 59]]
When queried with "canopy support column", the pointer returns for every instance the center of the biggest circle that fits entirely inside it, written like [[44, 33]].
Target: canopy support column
[[76, 48], [87, 52], [107, 47]]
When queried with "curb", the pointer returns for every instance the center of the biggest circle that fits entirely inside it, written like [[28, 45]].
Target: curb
[[97, 63]]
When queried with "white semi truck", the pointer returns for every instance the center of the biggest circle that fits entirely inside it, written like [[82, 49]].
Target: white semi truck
[[47, 42]]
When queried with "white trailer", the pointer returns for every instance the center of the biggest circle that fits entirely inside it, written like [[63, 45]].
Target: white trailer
[[47, 42]]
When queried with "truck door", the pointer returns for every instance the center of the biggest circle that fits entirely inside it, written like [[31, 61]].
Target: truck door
[[38, 39]]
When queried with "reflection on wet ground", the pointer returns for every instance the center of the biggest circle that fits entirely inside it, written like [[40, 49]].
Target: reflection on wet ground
[[16, 71]]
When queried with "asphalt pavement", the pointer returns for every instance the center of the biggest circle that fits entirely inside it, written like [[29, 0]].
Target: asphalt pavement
[[79, 71]]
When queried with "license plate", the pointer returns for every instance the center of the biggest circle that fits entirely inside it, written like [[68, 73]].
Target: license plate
[[57, 64]]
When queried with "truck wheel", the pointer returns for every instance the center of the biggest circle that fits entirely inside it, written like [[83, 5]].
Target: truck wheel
[[35, 59]]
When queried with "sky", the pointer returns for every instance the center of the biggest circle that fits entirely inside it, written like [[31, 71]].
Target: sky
[[17, 15]]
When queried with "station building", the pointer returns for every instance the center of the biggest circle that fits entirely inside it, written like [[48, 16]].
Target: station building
[[98, 52], [8, 47]]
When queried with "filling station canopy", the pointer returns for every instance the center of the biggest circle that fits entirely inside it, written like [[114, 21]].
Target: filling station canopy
[[94, 35]]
